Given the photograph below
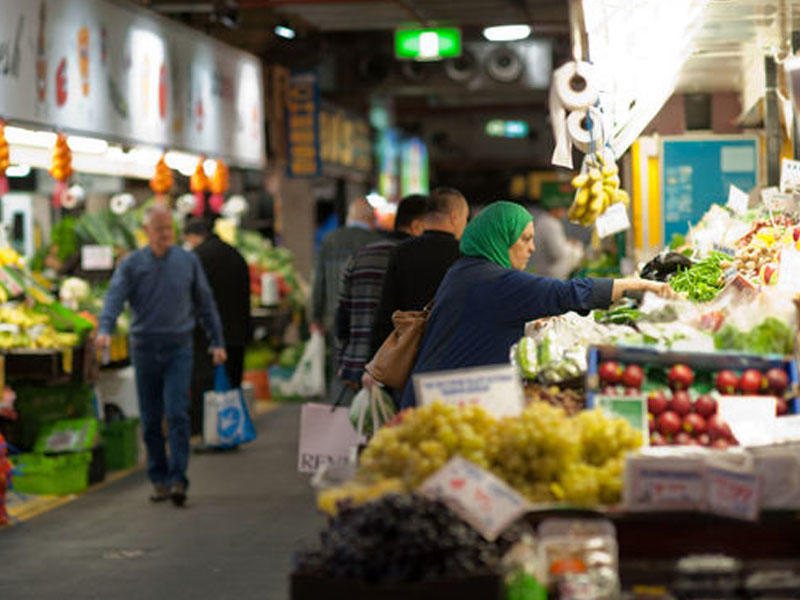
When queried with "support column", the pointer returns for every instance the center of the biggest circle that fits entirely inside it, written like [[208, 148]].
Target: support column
[[796, 129], [772, 125]]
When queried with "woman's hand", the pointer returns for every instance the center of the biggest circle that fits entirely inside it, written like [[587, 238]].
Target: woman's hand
[[663, 290]]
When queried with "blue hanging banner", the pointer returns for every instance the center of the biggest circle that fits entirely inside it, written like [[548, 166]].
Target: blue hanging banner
[[302, 122]]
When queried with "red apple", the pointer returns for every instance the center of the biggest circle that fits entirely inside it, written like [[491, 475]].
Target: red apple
[[705, 406], [669, 423], [752, 382], [657, 402], [718, 429], [694, 424], [680, 377], [781, 407], [657, 439], [633, 376], [727, 382], [720, 444], [683, 439], [610, 372], [704, 439], [681, 403], [777, 381]]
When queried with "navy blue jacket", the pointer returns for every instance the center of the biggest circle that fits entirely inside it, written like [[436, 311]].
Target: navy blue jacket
[[481, 308]]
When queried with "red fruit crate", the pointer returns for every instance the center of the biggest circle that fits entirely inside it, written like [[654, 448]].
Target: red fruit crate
[[708, 361]]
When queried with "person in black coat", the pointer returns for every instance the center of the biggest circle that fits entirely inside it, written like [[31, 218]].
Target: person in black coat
[[229, 278]]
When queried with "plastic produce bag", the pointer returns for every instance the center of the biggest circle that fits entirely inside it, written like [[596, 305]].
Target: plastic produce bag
[[370, 409], [308, 379], [226, 420]]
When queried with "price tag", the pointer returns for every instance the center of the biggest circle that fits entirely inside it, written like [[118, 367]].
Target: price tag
[[631, 408], [733, 493], [737, 200], [751, 418], [614, 220], [789, 270], [9, 328], [790, 175], [483, 500], [665, 483], [774, 200], [97, 258], [496, 389]]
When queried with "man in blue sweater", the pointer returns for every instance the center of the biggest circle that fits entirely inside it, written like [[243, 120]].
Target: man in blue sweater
[[166, 288]]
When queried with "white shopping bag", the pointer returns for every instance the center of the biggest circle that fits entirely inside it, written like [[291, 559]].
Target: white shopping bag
[[226, 419], [308, 379], [326, 437]]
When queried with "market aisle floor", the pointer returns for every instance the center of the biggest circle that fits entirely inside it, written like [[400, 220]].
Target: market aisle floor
[[246, 514]]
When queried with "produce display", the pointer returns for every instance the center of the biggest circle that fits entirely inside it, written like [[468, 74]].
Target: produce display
[[771, 336], [704, 280], [262, 257], [544, 454], [572, 401], [596, 189]]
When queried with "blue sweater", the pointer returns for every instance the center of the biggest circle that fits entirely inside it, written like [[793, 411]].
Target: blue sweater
[[165, 294], [481, 308]]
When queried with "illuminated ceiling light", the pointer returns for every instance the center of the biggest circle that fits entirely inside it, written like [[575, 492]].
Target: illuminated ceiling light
[[18, 171], [29, 137], [209, 166], [144, 156], [507, 33], [183, 162], [285, 32], [87, 145], [428, 44]]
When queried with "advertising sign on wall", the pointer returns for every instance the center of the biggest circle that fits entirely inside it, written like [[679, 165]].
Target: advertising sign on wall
[[413, 167], [302, 122], [116, 71]]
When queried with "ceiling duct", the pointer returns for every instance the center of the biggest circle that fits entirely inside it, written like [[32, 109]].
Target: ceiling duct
[[415, 71], [504, 65], [463, 68]]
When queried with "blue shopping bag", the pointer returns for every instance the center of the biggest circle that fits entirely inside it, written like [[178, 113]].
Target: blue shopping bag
[[226, 420]]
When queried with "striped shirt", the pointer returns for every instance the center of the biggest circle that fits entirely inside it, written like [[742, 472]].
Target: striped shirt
[[359, 294]]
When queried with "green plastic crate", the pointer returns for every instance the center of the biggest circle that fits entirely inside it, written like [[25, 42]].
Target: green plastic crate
[[122, 444], [67, 435], [51, 475]]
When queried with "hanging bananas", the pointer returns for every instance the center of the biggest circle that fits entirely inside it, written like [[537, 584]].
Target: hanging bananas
[[595, 190]]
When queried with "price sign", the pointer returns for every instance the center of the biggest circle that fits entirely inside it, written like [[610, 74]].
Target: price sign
[[97, 258], [733, 493], [665, 483], [497, 389], [481, 499], [789, 270], [614, 220], [737, 200], [631, 408], [790, 175]]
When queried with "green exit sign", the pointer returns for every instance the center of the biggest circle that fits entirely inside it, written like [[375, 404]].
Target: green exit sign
[[427, 44]]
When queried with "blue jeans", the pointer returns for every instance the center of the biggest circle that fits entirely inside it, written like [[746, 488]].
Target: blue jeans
[[163, 374]]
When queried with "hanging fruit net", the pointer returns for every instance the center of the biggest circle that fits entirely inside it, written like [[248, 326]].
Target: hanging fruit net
[[219, 185], [199, 185], [61, 168], [162, 180]]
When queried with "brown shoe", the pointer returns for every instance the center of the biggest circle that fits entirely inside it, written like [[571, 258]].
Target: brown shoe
[[178, 494], [160, 493]]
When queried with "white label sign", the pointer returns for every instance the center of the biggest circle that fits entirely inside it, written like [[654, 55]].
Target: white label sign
[[790, 175], [658, 484], [496, 389], [751, 418], [733, 493], [789, 270], [97, 258], [737, 200], [483, 500], [614, 220]]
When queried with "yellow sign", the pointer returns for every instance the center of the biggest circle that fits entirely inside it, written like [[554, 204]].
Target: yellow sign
[[345, 140], [302, 104]]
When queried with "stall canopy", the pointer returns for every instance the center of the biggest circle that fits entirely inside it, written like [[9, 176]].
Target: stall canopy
[[114, 71]]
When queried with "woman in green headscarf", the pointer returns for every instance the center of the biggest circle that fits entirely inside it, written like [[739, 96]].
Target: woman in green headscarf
[[486, 298]]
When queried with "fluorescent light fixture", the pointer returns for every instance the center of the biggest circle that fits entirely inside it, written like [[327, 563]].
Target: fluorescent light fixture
[[145, 156], [183, 162], [87, 145], [18, 171], [29, 137], [507, 33], [284, 32]]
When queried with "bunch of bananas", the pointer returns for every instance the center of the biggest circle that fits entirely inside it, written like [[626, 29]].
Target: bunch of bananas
[[198, 182], [61, 163], [595, 191], [162, 180]]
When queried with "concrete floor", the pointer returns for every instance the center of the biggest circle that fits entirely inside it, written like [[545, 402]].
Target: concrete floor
[[245, 515]]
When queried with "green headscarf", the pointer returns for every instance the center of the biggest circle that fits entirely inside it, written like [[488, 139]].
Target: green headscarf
[[496, 228]]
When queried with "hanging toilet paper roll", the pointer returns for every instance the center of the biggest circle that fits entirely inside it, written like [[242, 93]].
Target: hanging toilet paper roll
[[574, 84], [577, 132]]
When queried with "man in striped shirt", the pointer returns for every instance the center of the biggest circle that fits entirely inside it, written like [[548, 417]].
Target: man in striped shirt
[[361, 285]]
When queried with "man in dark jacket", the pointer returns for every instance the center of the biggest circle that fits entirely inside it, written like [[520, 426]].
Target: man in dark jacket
[[417, 266], [229, 278]]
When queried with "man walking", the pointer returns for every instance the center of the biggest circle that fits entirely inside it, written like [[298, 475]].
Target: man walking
[[166, 288], [229, 278], [361, 286]]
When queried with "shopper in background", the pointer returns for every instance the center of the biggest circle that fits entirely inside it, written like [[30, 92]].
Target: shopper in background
[[229, 278], [166, 288], [336, 249], [417, 266], [556, 255], [360, 289], [486, 297]]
